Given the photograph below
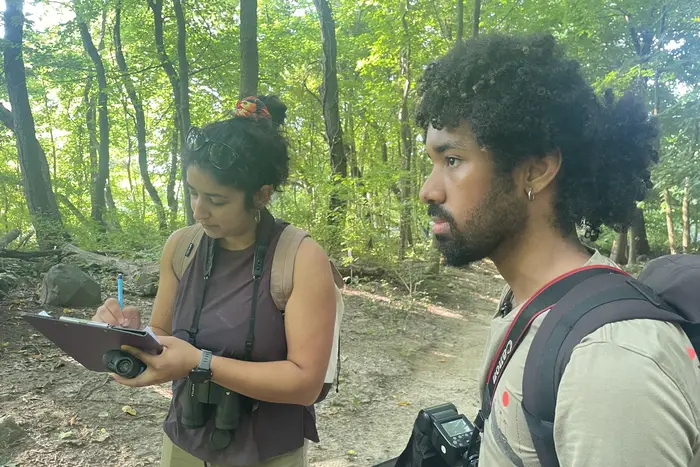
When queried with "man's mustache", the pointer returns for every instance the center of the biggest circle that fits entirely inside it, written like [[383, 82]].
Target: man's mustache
[[435, 210]]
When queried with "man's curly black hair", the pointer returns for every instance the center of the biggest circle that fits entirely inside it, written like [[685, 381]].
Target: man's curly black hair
[[522, 97]]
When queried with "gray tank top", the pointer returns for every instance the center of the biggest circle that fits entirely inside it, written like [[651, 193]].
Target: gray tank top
[[266, 429]]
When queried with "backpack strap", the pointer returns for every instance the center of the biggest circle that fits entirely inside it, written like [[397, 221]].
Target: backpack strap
[[282, 273], [591, 304], [542, 301], [186, 247]]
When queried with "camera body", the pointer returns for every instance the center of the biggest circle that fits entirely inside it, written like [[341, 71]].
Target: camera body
[[201, 401], [123, 363], [451, 434]]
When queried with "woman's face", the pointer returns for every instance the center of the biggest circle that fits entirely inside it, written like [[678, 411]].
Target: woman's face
[[219, 208]]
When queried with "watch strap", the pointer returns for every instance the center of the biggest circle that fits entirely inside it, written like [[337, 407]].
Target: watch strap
[[205, 361]]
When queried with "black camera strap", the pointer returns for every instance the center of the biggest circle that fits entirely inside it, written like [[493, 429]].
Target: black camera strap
[[263, 236], [543, 300]]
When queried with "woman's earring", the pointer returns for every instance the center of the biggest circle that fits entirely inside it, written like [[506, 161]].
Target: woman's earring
[[257, 216], [530, 196]]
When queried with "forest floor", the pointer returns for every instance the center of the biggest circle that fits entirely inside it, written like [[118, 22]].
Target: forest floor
[[400, 352]]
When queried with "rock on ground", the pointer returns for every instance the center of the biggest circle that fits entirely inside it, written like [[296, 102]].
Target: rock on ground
[[66, 285]]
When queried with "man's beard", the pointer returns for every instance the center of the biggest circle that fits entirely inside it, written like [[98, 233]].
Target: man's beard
[[498, 218]]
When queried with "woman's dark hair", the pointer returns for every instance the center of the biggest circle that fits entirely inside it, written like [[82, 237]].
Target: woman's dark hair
[[262, 150], [522, 97]]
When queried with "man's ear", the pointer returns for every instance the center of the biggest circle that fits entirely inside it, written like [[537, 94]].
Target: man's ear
[[263, 196], [539, 172]]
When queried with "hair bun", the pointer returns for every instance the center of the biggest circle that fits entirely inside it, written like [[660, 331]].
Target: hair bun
[[276, 107]]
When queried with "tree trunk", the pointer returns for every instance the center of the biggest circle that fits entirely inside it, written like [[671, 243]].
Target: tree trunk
[[129, 151], [632, 250], [406, 140], [249, 48], [76, 212], [331, 113], [140, 119], [460, 20], [34, 167], [686, 218], [619, 249], [180, 84], [9, 237], [172, 179], [476, 18], [98, 211], [669, 222]]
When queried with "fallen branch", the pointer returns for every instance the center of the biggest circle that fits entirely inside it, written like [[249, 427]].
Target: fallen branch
[[9, 237], [115, 264], [24, 239], [362, 271], [31, 254]]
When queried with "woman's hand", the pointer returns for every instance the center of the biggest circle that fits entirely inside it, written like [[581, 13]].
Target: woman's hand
[[174, 362], [111, 313]]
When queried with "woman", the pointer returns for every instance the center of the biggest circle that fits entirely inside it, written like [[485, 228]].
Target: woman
[[240, 398]]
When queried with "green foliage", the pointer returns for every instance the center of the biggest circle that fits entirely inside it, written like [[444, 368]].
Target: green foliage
[[371, 40]]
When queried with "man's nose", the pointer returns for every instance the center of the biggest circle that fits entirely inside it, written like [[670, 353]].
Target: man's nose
[[432, 190]]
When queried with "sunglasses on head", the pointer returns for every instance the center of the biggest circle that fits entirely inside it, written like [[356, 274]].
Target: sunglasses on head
[[220, 155]]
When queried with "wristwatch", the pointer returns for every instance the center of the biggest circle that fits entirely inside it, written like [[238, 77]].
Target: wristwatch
[[202, 372]]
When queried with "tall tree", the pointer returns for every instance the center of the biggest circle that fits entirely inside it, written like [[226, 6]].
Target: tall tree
[[34, 167], [406, 138], [460, 20], [331, 113], [249, 48], [99, 207], [179, 82], [140, 120]]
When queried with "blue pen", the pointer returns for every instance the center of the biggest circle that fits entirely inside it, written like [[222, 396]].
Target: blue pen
[[120, 292]]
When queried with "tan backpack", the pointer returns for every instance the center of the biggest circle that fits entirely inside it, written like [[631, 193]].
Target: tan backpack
[[281, 282]]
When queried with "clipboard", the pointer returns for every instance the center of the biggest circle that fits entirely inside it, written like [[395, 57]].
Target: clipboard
[[87, 341]]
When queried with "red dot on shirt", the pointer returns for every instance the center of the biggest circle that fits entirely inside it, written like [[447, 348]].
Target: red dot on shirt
[[506, 399], [691, 352]]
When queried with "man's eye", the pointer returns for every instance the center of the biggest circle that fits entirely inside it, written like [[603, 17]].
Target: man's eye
[[451, 161]]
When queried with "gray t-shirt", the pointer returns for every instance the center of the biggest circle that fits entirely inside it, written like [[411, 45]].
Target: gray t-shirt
[[630, 396]]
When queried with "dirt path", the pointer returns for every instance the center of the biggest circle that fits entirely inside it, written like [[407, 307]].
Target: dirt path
[[399, 354]]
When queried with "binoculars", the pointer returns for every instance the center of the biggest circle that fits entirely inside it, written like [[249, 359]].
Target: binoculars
[[123, 364], [202, 400]]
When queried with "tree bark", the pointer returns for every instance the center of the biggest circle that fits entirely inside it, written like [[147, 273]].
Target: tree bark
[[249, 48], [331, 112], [460, 20], [140, 119], [669, 222], [34, 167], [406, 140], [9, 237], [179, 83], [76, 212], [99, 207], [172, 179], [619, 249], [476, 18], [686, 217]]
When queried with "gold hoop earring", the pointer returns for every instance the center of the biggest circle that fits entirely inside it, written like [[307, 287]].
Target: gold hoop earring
[[530, 196], [257, 216]]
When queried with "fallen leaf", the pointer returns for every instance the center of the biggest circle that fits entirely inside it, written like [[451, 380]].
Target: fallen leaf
[[103, 415], [442, 360], [72, 420], [404, 403], [67, 310], [352, 452], [5, 344], [65, 435], [129, 410], [101, 436]]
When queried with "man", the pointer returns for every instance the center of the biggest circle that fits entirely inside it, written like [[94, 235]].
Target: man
[[522, 154]]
